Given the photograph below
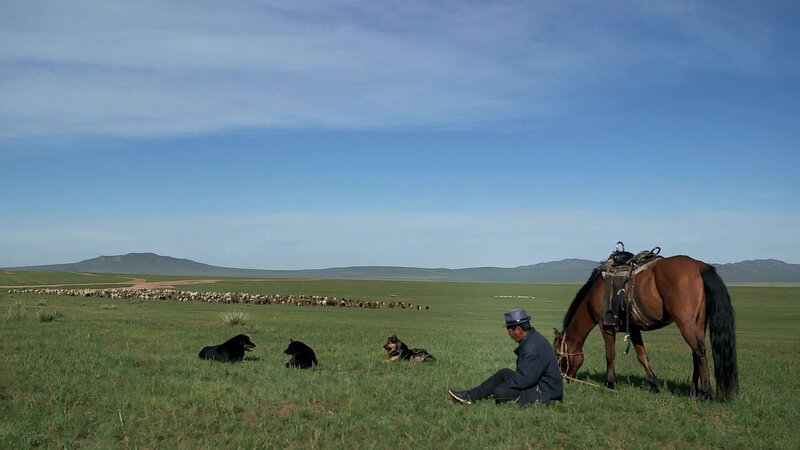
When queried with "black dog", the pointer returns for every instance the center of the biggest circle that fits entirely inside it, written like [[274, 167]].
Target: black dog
[[230, 351], [302, 355], [398, 351]]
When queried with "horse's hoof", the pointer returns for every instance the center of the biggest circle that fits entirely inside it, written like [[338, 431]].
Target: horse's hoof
[[701, 396]]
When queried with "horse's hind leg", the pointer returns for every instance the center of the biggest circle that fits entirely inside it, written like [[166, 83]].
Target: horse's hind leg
[[641, 353], [694, 335], [609, 337]]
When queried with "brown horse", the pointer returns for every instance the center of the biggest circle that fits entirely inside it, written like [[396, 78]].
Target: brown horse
[[676, 289]]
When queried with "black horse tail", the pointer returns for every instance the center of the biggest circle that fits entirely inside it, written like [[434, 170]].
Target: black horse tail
[[720, 322]]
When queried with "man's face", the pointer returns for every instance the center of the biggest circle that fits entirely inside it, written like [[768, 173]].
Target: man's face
[[516, 332]]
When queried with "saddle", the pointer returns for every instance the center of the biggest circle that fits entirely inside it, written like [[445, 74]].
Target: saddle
[[621, 268]]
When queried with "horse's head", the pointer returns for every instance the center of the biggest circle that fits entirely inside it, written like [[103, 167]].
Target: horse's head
[[569, 357]]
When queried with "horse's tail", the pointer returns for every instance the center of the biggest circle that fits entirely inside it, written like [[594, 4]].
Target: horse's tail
[[720, 322]]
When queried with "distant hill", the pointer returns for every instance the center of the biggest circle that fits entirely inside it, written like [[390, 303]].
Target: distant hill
[[759, 271], [564, 271], [136, 263]]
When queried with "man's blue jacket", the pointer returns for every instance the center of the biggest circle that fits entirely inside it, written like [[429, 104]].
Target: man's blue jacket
[[537, 375]]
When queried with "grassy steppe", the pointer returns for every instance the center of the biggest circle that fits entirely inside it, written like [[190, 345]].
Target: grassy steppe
[[121, 373]]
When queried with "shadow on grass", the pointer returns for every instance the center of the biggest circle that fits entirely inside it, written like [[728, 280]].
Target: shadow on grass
[[673, 387]]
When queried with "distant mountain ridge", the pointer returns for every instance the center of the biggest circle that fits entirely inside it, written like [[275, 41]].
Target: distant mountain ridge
[[563, 271]]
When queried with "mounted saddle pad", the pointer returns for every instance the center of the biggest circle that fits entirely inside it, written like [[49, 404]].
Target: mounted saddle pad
[[620, 270], [619, 258]]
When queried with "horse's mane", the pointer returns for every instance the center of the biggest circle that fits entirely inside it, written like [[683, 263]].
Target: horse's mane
[[579, 297]]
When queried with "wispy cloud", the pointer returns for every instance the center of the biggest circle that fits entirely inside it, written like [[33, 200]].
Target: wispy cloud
[[155, 68]]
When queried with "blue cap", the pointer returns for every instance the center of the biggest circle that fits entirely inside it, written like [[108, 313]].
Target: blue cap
[[516, 317]]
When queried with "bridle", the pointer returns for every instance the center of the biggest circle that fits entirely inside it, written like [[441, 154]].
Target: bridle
[[563, 354]]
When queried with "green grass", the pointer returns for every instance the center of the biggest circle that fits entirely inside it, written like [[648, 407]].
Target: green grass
[[114, 373], [13, 278]]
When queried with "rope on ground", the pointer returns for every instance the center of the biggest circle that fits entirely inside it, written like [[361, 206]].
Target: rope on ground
[[567, 377]]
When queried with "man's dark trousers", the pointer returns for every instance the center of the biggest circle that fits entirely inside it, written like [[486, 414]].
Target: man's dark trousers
[[494, 386]]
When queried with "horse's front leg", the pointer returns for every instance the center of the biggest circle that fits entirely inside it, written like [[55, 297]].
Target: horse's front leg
[[609, 337], [641, 353]]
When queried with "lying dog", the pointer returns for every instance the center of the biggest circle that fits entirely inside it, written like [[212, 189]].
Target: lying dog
[[231, 351], [398, 351], [302, 355]]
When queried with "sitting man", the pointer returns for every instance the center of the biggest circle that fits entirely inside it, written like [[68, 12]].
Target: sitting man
[[537, 378]]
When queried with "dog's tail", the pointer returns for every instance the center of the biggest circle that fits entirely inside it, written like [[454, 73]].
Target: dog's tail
[[420, 354]]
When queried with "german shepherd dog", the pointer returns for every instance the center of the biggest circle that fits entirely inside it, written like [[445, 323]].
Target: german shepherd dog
[[398, 351], [302, 355], [231, 350]]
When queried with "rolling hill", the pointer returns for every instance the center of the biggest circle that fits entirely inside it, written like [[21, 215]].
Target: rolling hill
[[563, 271]]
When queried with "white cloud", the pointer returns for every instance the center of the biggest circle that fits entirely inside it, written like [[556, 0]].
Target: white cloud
[[134, 68]]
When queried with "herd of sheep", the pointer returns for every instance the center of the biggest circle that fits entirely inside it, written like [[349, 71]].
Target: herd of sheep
[[219, 297]]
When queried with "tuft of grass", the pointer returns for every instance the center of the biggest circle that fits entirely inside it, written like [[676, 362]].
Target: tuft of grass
[[16, 310], [235, 318], [46, 316], [108, 306]]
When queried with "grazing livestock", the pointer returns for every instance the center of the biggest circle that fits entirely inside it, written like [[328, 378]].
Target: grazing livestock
[[219, 297]]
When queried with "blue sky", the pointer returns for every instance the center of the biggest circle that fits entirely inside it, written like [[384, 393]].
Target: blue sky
[[289, 135]]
